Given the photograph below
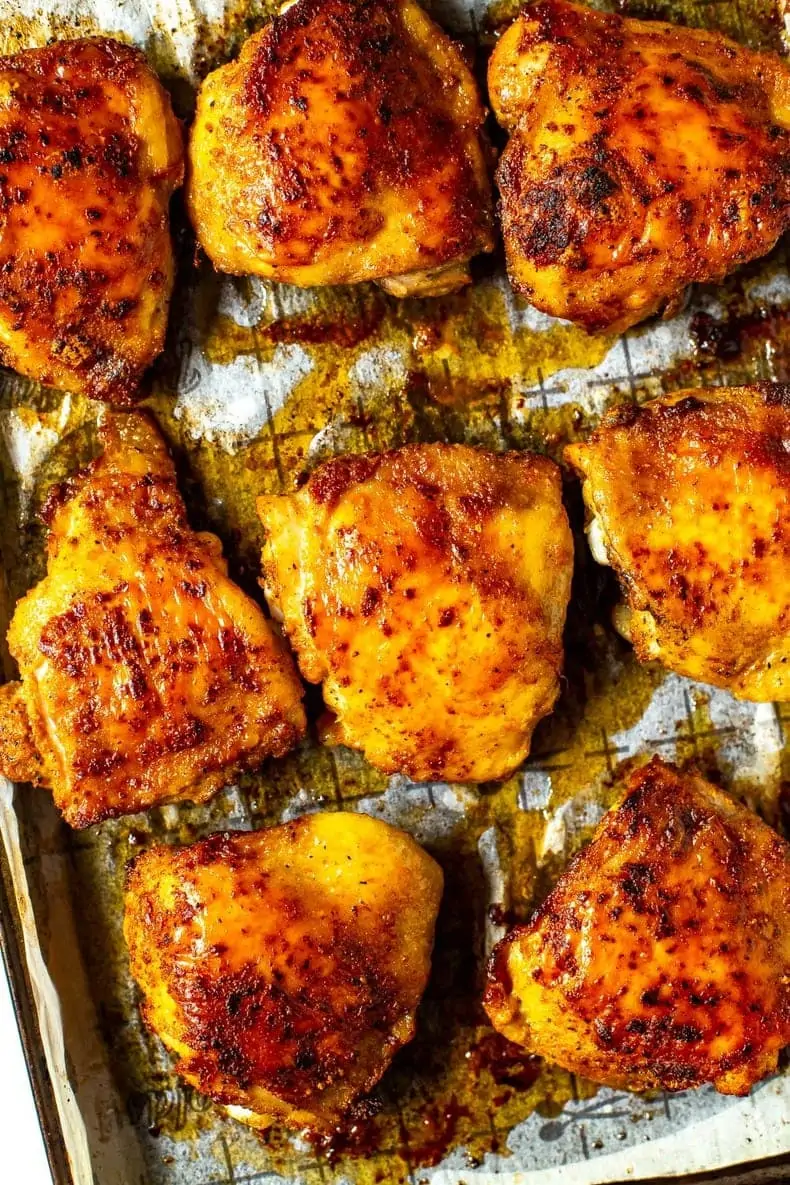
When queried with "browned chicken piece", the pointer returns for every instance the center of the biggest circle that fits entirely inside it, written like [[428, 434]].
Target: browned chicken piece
[[661, 960], [345, 144], [146, 674], [689, 499], [427, 589], [90, 152], [284, 967], [642, 156]]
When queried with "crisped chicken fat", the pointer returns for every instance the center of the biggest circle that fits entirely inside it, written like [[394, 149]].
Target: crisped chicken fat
[[427, 589], [662, 957], [90, 152], [642, 157], [146, 674], [690, 503], [284, 967], [343, 145]]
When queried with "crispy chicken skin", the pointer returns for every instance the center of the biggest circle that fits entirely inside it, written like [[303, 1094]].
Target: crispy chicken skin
[[642, 157], [90, 152], [662, 957], [146, 674], [343, 145], [284, 967], [427, 589], [689, 497]]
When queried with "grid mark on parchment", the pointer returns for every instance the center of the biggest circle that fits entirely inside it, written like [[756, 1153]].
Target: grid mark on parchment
[[694, 734], [741, 23], [248, 815], [319, 1166], [363, 423], [629, 368], [278, 464], [541, 761], [631, 379], [501, 422], [404, 1151], [543, 397], [781, 719], [223, 1143], [543, 392], [506, 428], [608, 751], [691, 734], [345, 799], [333, 770], [301, 1167]]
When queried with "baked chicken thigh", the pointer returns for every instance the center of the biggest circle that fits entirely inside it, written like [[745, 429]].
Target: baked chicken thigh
[[146, 674], [343, 145], [284, 967], [689, 498], [427, 589], [642, 157], [90, 152], [662, 957]]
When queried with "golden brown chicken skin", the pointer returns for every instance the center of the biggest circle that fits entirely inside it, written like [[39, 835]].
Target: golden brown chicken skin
[[343, 145], [689, 499], [642, 157], [90, 152], [284, 967], [427, 589], [662, 957], [146, 674]]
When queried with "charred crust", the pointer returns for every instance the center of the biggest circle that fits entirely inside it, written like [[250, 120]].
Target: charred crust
[[679, 882], [86, 162], [146, 708], [399, 128], [375, 533], [312, 1013], [582, 210], [335, 478]]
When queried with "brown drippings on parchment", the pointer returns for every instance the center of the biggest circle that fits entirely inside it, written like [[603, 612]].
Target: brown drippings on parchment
[[458, 352], [451, 1088], [450, 369], [456, 1085], [30, 31]]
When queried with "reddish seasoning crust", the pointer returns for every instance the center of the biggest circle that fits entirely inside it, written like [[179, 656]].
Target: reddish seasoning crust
[[285, 970], [692, 492], [332, 480], [336, 114], [146, 674], [661, 957], [18, 753], [643, 156], [401, 142], [426, 588], [90, 152]]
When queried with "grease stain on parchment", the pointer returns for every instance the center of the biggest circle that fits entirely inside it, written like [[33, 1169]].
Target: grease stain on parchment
[[377, 376]]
